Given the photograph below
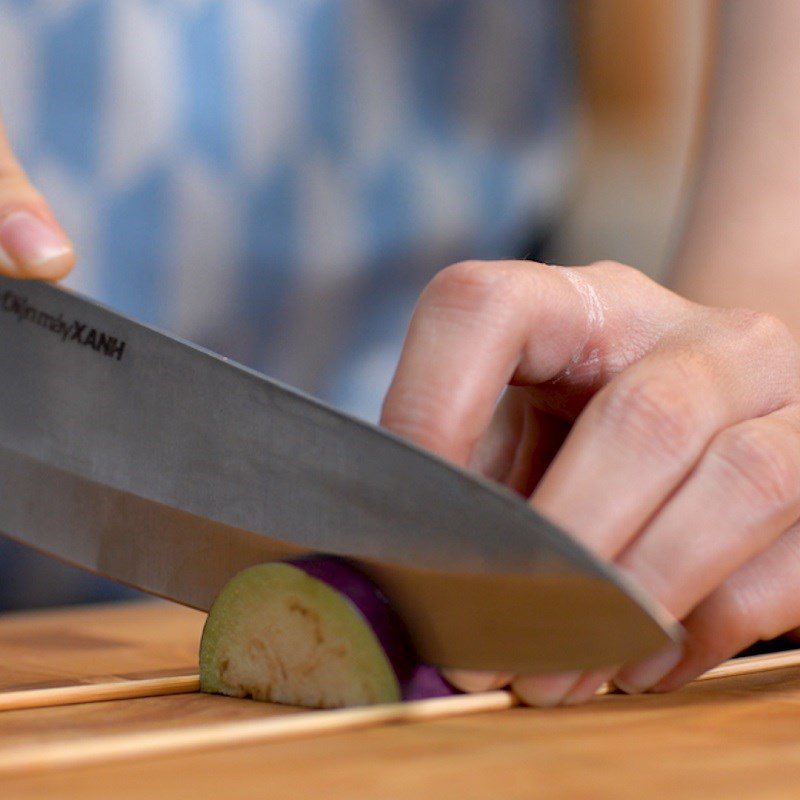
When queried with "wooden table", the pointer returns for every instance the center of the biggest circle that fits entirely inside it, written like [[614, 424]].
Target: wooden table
[[732, 737]]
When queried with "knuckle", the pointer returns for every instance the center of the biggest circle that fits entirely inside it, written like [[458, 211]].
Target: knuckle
[[785, 606], [758, 460], [732, 631], [620, 272], [742, 618], [764, 330], [473, 286], [656, 409], [720, 626], [736, 618], [607, 265], [422, 418]]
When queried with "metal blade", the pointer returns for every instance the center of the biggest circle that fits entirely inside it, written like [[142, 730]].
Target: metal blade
[[145, 459]]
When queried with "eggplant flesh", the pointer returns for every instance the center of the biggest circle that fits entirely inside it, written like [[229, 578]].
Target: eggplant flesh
[[278, 634], [311, 632]]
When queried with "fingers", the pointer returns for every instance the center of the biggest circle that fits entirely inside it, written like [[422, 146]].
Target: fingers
[[744, 494], [563, 688], [738, 497], [760, 601], [642, 435], [515, 450], [479, 325], [587, 685], [546, 690], [476, 681], [32, 244], [684, 464], [519, 443], [464, 345]]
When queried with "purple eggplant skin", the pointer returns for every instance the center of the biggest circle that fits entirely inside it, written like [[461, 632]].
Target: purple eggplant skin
[[426, 683], [370, 602], [417, 681]]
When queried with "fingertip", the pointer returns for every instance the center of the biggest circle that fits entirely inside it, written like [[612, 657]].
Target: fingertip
[[477, 681], [643, 675], [54, 269], [588, 686], [545, 691], [33, 245], [674, 680]]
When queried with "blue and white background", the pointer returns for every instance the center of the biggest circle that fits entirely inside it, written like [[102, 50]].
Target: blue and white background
[[278, 179]]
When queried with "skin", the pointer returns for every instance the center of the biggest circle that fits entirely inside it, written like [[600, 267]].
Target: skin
[[659, 427], [682, 462], [32, 243], [741, 244]]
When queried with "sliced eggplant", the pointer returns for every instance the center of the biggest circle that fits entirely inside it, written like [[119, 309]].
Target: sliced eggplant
[[313, 632]]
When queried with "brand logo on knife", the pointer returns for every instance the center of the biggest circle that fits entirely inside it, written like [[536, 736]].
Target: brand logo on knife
[[68, 331]]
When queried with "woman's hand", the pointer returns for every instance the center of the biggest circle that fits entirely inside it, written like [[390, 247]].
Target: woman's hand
[[663, 434], [32, 243]]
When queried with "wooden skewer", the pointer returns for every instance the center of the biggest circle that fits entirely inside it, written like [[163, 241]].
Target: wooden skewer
[[748, 665], [117, 747], [94, 749], [752, 664], [96, 692], [185, 684]]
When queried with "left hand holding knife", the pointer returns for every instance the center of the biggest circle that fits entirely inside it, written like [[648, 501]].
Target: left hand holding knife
[[665, 435]]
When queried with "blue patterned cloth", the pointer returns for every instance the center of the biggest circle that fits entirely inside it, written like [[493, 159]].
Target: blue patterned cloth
[[278, 179]]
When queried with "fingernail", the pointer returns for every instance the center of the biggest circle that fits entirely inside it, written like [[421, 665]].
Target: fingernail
[[545, 691], [28, 244], [642, 676], [586, 688]]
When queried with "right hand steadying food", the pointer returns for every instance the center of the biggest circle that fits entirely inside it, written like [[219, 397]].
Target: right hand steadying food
[[32, 243]]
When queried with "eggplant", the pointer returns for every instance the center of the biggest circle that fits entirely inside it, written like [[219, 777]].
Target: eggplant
[[311, 632]]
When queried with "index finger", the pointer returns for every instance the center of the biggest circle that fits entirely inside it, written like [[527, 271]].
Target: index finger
[[480, 325]]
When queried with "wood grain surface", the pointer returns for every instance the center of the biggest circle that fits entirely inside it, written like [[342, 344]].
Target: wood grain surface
[[95, 644], [734, 737]]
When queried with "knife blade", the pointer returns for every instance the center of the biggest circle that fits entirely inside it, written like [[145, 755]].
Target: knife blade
[[146, 459]]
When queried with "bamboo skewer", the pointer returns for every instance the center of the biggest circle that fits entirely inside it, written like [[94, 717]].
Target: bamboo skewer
[[97, 749], [96, 692], [747, 665], [94, 749], [186, 684], [752, 664]]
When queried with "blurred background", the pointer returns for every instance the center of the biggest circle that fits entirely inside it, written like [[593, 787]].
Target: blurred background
[[278, 180]]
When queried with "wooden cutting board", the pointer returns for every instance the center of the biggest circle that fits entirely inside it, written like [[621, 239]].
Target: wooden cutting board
[[732, 737]]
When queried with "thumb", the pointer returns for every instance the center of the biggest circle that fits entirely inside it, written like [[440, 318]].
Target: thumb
[[32, 243]]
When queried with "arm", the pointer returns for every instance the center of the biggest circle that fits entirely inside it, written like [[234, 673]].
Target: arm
[[741, 245]]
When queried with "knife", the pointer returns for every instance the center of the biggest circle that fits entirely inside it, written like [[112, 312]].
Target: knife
[[138, 456]]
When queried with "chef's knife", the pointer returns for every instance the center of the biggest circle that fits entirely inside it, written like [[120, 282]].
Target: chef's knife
[[140, 457]]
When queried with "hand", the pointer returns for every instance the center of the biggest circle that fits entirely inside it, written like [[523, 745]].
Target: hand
[[32, 244], [663, 434]]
